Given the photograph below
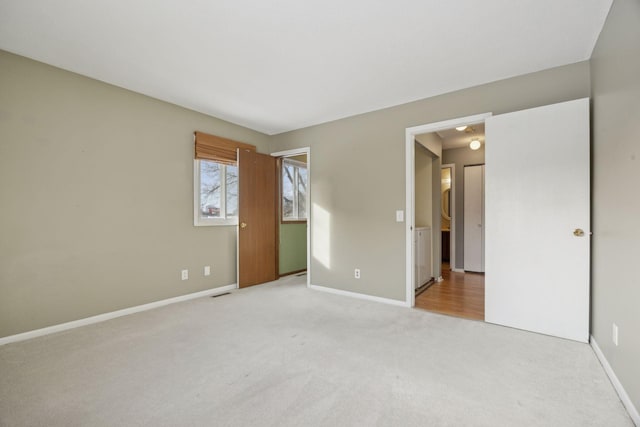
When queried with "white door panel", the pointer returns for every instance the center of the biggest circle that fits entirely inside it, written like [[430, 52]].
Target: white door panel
[[536, 194]]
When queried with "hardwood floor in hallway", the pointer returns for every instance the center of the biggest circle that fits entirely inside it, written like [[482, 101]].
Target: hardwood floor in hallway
[[459, 294]]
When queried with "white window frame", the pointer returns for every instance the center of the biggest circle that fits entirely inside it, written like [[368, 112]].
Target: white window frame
[[298, 165], [223, 220]]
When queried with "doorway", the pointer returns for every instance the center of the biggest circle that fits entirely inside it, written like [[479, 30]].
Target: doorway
[[460, 290], [261, 210], [457, 294], [411, 135], [294, 222], [292, 215], [537, 210]]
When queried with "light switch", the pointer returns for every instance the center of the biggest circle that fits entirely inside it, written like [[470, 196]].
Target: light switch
[[399, 216]]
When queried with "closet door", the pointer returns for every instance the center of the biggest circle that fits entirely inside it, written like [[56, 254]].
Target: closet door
[[474, 218]]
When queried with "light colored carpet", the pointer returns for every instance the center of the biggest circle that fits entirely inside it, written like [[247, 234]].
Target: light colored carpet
[[282, 355]]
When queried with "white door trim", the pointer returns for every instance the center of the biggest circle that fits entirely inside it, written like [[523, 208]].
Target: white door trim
[[297, 152], [410, 134]]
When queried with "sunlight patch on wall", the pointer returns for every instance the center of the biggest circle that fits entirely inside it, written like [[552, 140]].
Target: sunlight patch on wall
[[321, 242]]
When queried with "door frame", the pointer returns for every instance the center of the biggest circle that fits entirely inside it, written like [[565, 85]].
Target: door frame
[[452, 214], [297, 152], [410, 134]]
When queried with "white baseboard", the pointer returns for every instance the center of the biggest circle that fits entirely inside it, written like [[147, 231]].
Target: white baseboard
[[458, 270], [359, 296], [624, 397], [112, 315]]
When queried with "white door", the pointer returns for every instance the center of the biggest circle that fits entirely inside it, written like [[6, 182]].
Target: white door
[[537, 220], [474, 218]]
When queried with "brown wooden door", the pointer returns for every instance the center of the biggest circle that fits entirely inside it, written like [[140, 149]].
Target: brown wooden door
[[257, 218]]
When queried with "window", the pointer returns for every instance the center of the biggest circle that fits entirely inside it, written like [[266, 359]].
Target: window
[[294, 190], [215, 177], [216, 193]]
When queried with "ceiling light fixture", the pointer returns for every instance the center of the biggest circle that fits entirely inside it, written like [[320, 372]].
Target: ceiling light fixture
[[460, 128], [475, 144]]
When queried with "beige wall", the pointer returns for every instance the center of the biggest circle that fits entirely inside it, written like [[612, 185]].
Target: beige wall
[[615, 70], [96, 198], [358, 179], [423, 187], [432, 142], [100, 215], [427, 212]]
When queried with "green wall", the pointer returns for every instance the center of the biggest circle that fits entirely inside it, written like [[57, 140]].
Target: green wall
[[293, 248]]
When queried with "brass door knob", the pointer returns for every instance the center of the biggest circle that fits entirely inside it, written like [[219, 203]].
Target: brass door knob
[[243, 224], [578, 232]]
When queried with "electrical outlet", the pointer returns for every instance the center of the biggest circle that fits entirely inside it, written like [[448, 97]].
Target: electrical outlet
[[185, 274], [614, 335], [207, 270], [357, 273]]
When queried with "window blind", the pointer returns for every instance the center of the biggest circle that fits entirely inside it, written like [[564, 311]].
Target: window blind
[[218, 149]]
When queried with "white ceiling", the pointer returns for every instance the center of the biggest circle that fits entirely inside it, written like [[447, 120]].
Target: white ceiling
[[280, 65], [452, 138]]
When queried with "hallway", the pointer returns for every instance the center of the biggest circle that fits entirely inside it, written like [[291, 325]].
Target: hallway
[[459, 294]]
